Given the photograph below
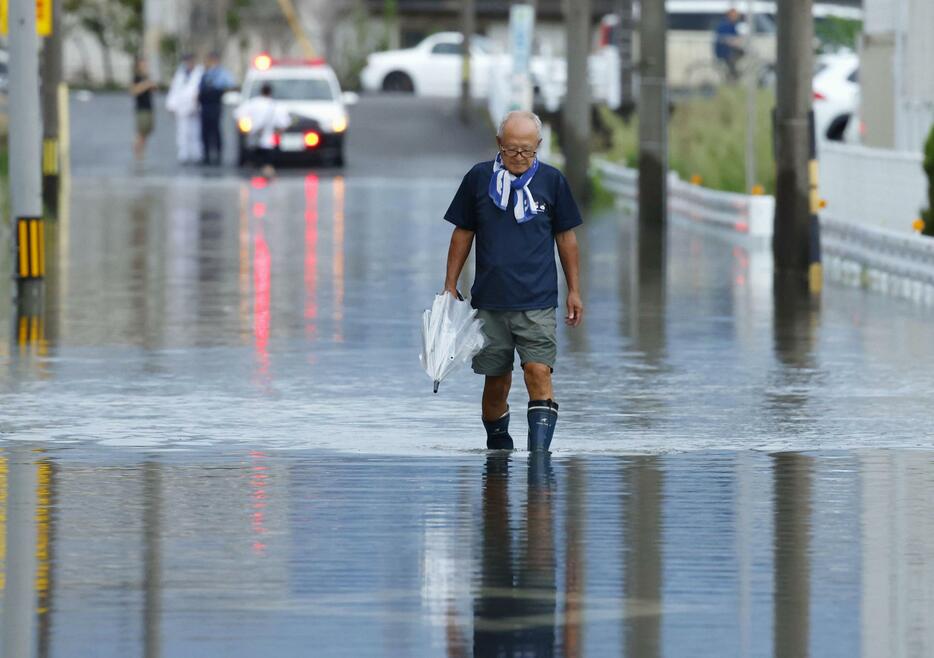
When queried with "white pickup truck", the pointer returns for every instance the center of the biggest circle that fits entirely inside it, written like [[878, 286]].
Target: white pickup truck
[[433, 68]]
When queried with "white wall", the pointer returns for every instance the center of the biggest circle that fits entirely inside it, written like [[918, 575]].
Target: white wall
[[872, 187], [896, 73]]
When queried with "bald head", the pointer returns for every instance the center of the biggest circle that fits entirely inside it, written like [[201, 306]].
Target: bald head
[[518, 119], [518, 137]]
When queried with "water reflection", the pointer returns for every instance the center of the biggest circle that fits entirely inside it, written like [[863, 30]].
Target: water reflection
[[642, 547], [20, 565], [792, 597], [576, 557], [796, 317], [152, 559], [514, 611]]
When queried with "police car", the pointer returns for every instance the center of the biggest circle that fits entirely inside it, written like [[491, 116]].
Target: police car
[[309, 91]]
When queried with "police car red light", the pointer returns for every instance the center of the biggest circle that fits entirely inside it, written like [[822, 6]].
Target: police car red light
[[262, 62]]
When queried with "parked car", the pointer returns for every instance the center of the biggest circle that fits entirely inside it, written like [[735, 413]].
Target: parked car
[[431, 68], [310, 92], [836, 95]]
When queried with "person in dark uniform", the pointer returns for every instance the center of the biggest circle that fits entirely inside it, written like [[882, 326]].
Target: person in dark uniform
[[215, 81], [142, 96]]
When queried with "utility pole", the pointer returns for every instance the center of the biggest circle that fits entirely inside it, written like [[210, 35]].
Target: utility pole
[[624, 46], [576, 125], [51, 79], [468, 26], [752, 89], [24, 140], [653, 116], [794, 242]]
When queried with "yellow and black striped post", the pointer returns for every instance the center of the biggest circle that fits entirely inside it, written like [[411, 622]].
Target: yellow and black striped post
[[30, 248], [815, 268], [50, 173]]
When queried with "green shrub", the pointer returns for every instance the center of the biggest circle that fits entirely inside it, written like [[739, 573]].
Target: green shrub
[[928, 215], [706, 138]]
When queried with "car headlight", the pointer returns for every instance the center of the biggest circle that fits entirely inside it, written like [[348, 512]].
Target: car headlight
[[339, 124]]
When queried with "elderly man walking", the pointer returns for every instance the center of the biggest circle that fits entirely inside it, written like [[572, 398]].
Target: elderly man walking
[[517, 208]]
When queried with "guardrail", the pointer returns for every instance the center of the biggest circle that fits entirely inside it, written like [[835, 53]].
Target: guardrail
[[896, 262], [865, 252], [741, 213]]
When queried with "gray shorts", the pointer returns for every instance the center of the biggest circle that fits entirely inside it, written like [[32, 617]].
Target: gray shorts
[[533, 333]]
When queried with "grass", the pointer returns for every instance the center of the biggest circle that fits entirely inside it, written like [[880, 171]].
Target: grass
[[707, 138]]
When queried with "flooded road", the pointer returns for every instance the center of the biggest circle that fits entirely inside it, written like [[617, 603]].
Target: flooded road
[[216, 440], [251, 552]]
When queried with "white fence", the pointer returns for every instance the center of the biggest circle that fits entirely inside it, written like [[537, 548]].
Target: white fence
[[895, 262], [872, 187], [742, 213]]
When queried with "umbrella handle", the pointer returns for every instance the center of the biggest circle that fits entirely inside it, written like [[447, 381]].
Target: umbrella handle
[[437, 383]]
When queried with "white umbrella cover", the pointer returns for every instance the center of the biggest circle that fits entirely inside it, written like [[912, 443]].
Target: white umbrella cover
[[451, 336]]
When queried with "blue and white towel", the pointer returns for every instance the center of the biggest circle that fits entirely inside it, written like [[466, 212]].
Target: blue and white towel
[[502, 183]]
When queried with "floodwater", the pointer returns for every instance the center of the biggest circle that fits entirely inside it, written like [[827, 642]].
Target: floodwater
[[215, 440]]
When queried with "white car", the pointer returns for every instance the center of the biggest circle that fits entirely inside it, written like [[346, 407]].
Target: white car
[[310, 93], [836, 95], [432, 68]]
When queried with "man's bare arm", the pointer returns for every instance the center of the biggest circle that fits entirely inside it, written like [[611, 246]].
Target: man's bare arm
[[461, 240], [569, 253]]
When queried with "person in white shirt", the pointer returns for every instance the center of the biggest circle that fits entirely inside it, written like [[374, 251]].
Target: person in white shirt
[[182, 101], [267, 117]]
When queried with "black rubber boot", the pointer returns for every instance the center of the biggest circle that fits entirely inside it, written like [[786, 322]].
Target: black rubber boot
[[497, 433], [543, 416]]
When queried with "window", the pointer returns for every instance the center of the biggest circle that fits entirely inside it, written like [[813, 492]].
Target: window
[[447, 48], [295, 89], [854, 76], [693, 21]]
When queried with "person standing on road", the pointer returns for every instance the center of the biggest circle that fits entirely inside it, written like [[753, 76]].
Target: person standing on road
[[214, 82], [142, 96], [728, 44], [517, 208], [266, 117], [182, 101]]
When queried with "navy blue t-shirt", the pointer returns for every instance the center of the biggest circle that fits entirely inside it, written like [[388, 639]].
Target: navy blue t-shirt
[[515, 263]]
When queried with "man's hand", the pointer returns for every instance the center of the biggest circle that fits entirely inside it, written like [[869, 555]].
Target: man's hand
[[454, 292], [575, 310]]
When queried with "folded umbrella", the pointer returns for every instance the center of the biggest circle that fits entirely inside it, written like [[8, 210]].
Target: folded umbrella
[[451, 336]]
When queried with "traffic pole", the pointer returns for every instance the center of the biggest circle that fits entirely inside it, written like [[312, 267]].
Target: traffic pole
[[51, 79], [25, 147], [576, 123], [624, 45], [794, 164], [653, 116]]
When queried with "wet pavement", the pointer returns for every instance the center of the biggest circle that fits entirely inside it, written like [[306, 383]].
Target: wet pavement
[[216, 438]]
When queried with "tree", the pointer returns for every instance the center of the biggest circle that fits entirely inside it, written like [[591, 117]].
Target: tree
[[114, 24]]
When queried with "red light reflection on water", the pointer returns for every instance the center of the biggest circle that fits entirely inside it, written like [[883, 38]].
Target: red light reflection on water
[[262, 280]]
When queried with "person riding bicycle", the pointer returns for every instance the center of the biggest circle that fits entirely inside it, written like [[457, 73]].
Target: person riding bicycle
[[728, 44]]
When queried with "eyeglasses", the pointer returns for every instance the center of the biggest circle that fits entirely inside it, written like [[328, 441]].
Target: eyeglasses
[[517, 153]]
